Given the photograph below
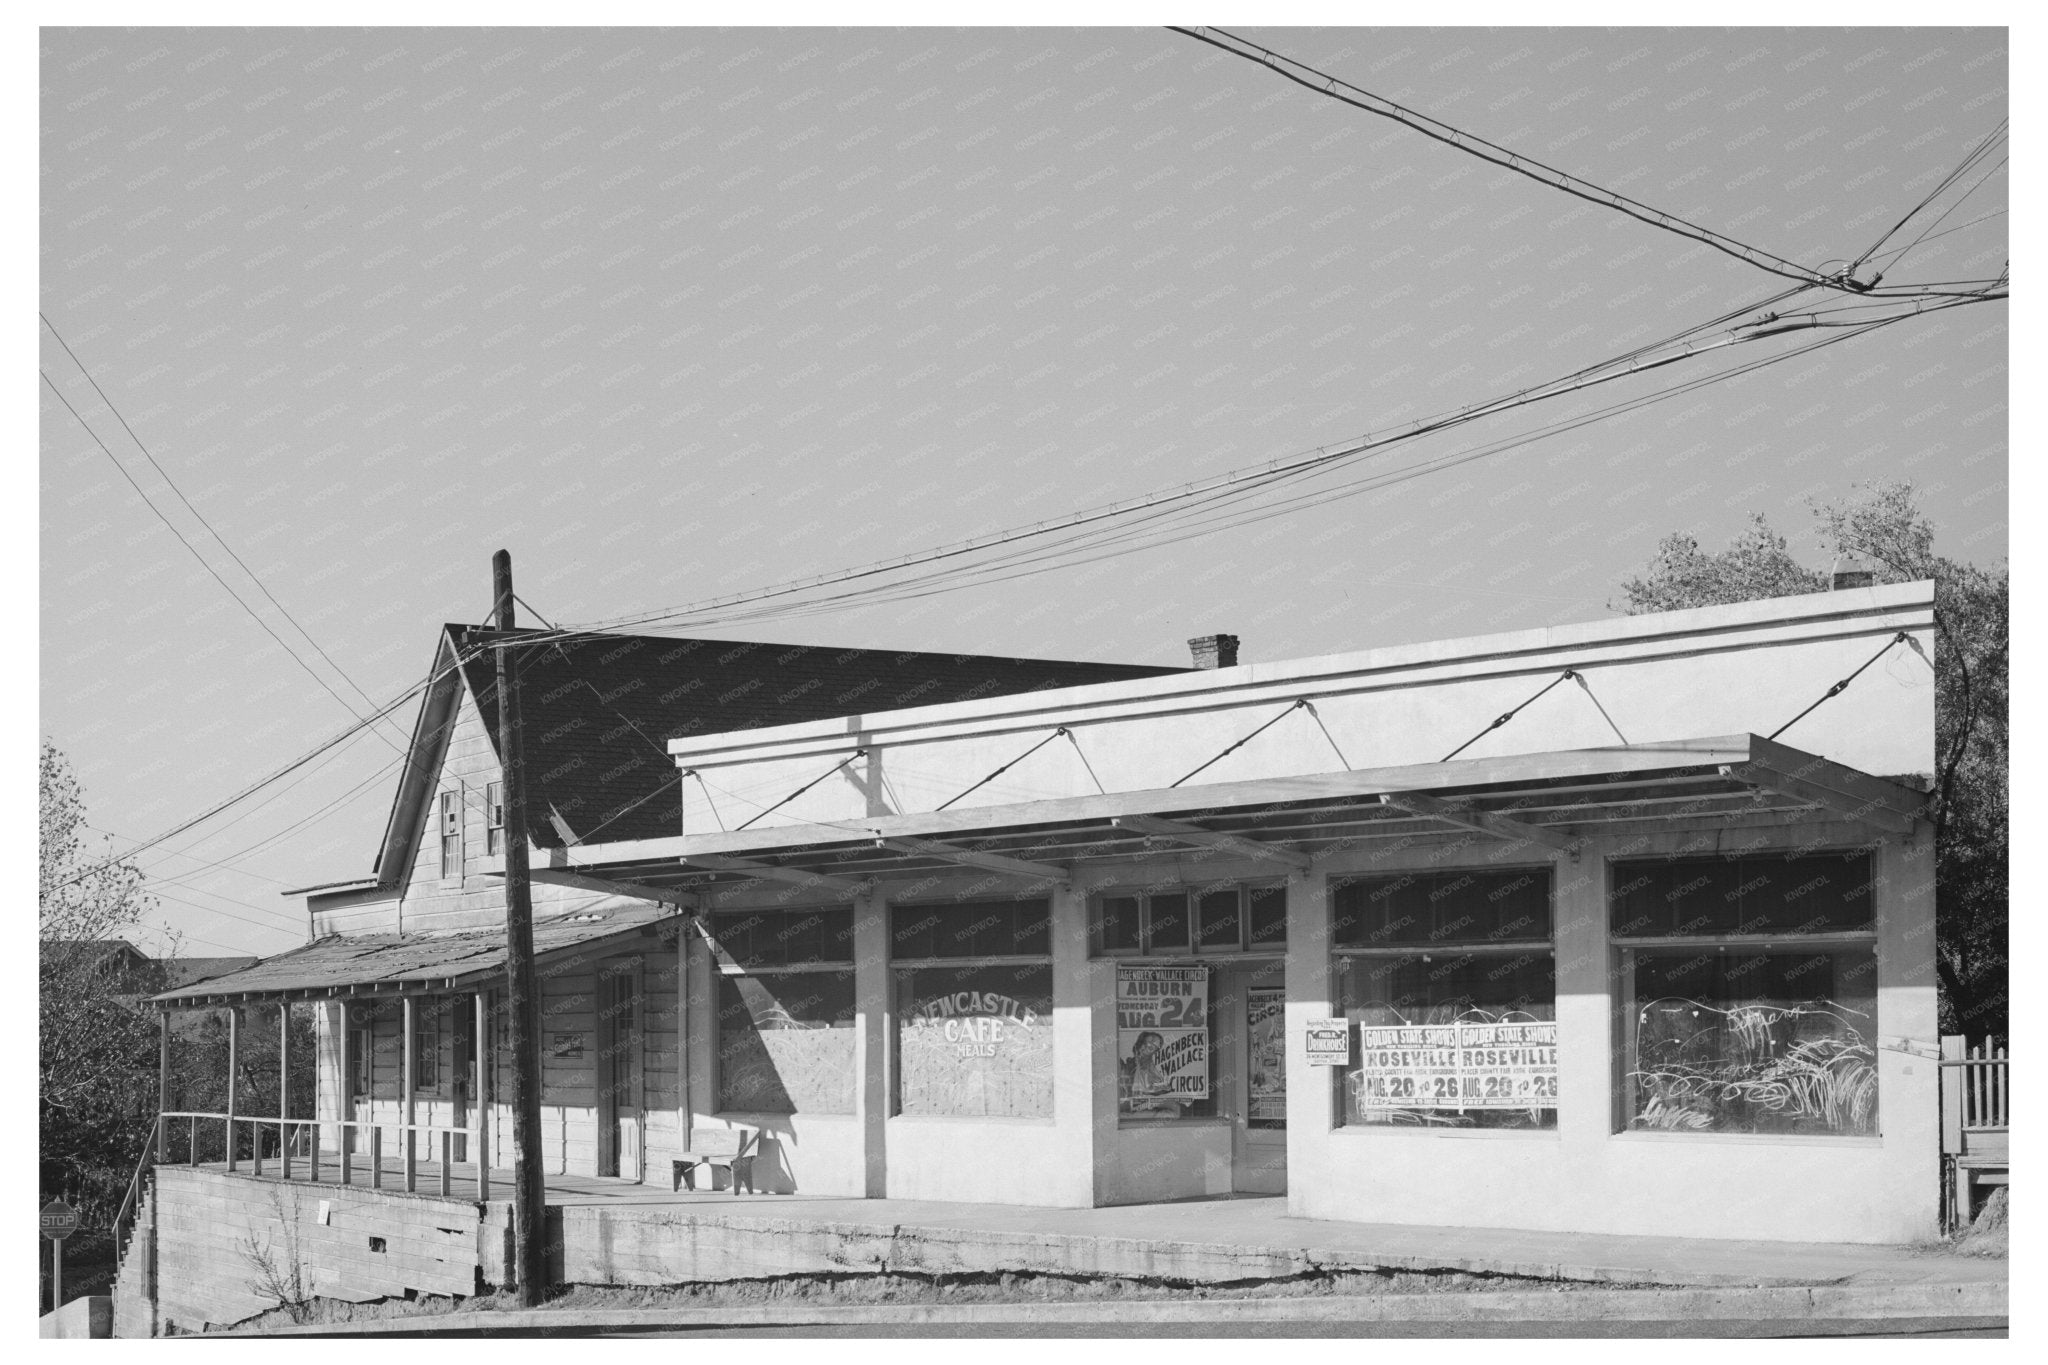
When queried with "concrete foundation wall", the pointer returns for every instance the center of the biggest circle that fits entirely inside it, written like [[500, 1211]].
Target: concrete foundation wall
[[213, 1229]]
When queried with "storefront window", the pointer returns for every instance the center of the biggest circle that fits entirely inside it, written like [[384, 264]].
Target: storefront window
[[1006, 928], [1751, 994], [975, 1040], [1225, 919], [1449, 984], [786, 1036], [786, 1043]]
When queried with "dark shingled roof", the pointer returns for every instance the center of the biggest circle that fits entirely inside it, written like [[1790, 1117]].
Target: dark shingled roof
[[598, 712], [184, 971], [398, 960]]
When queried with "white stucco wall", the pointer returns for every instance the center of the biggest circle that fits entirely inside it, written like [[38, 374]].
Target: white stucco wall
[[1746, 668], [1719, 671]]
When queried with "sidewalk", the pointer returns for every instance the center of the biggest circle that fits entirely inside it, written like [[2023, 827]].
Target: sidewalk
[[1216, 1241]]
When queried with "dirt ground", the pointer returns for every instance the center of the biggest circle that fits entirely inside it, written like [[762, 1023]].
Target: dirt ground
[[920, 1289]]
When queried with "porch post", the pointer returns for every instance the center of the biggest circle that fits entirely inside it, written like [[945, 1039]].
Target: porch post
[[284, 1090], [405, 1081], [685, 1113], [485, 1055], [640, 1066], [163, 1081], [234, 1062], [344, 1104]]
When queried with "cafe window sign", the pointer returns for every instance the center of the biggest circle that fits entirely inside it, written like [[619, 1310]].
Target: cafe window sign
[[975, 1041], [1162, 1022]]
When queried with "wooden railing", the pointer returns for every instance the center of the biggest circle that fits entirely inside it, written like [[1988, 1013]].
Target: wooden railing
[[1980, 1077], [132, 1202], [1976, 1123], [309, 1146]]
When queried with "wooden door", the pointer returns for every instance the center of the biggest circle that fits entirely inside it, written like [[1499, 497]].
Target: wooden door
[[619, 1114], [462, 1069]]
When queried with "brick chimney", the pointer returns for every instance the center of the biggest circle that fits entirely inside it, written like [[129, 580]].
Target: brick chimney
[[1850, 571], [1214, 651]]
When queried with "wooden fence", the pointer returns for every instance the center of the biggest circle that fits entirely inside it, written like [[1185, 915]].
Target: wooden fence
[[1976, 1122]]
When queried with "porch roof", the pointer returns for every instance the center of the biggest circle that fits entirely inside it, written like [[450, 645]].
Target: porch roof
[[399, 963], [1548, 799]]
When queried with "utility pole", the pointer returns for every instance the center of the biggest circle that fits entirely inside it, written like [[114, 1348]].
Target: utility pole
[[529, 1200]]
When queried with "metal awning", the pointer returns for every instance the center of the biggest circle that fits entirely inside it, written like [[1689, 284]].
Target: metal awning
[[1553, 800], [401, 963]]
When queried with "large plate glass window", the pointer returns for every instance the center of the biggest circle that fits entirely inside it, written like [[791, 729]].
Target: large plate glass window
[[1448, 982], [1750, 994], [786, 1036], [973, 1008]]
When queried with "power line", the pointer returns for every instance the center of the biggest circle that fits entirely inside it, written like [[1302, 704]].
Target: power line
[[285, 771], [1242, 482], [1325, 84], [197, 514], [1983, 148], [194, 552]]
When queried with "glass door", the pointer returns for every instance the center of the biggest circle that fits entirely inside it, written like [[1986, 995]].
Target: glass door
[[1255, 1000]]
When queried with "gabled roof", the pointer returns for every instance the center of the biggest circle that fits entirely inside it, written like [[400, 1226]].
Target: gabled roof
[[599, 710]]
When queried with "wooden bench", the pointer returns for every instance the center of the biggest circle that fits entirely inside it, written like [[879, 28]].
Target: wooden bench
[[727, 1147]]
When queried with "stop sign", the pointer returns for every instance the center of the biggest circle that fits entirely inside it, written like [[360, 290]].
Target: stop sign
[[59, 1220]]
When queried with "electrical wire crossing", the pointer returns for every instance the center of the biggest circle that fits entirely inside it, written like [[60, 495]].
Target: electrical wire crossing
[[1302, 74]]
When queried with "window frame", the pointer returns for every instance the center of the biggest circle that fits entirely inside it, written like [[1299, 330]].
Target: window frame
[[901, 982], [740, 972], [1625, 952], [494, 818], [429, 1011], [1340, 955], [450, 825], [726, 964], [1194, 893]]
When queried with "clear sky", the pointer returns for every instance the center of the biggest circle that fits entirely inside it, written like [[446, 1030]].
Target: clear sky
[[676, 313]]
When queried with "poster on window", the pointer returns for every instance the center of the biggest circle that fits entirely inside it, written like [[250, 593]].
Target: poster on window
[[1478, 1065], [1266, 1017], [1162, 1030]]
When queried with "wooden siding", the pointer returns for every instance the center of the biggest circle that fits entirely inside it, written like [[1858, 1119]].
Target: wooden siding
[[569, 1088]]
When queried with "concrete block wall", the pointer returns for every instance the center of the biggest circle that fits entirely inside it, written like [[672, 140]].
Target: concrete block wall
[[212, 1228]]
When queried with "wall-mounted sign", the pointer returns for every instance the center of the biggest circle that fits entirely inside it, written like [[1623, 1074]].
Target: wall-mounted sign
[[1329, 1042], [565, 1047], [1459, 1066], [1162, 1029]]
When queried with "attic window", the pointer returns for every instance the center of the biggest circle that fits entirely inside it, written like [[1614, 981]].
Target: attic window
[[451, 834], [494, 817]]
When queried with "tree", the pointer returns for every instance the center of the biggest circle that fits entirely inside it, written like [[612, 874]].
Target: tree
[[1755, 565], [97, 1053], [1882, 524]]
